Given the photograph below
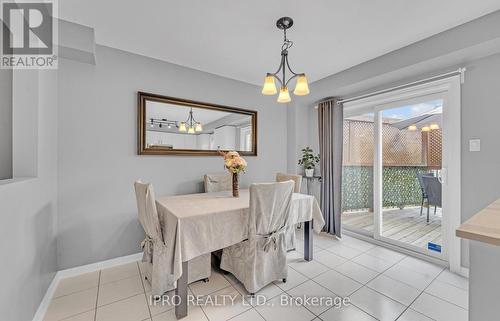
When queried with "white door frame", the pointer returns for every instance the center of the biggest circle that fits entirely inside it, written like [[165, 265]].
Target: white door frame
[[447, 89]]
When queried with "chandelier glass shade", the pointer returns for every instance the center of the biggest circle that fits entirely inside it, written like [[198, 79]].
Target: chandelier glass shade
[[301, 85], [284, 96]]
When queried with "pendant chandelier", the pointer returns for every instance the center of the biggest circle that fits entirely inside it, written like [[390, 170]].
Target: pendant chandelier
[[301, 86], [190, 125]]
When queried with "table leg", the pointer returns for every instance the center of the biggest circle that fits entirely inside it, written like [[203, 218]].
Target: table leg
[[308, 241], [181, 310]]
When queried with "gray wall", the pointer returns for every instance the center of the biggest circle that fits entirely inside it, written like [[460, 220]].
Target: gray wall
[[480, 112], [97, 140], [474, 45], [28, 211], [5, 124]]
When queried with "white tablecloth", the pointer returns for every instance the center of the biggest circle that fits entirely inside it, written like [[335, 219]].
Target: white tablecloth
[[196, 224]]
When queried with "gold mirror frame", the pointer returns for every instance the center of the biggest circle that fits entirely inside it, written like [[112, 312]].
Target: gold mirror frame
[[143, 97]]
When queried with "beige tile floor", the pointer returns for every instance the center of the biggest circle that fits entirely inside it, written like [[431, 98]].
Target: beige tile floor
[[381, 284]]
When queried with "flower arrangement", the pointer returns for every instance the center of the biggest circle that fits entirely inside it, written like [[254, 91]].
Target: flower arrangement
[[235, 164]]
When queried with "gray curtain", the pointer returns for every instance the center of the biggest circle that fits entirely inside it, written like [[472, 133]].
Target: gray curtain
[[330, 121]]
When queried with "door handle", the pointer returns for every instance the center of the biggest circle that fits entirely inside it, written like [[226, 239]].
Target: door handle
[[443, 176]]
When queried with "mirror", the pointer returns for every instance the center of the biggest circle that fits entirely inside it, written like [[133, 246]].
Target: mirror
[[173, 126]]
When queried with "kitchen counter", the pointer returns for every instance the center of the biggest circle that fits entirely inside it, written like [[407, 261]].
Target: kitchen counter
[[483, 226]]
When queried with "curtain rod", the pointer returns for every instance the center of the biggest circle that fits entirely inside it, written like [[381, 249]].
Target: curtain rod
[[459, 71]]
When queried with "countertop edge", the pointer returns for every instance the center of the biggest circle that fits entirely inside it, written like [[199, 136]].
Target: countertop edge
[[465, 233], [484, 226]]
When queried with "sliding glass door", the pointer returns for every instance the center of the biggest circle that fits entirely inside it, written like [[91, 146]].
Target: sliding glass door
[[391, 184], [411, 154]]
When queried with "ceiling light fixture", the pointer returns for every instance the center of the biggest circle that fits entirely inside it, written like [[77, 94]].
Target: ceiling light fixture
[[301, 86]]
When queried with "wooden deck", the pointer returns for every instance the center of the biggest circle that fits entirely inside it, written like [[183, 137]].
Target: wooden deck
[[404, 225]]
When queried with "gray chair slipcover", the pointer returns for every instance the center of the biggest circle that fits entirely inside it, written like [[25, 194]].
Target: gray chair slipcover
[[290, 237], [154, 247], [261, 259], [217, 182]]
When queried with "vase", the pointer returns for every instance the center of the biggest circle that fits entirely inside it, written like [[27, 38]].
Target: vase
[[236, 186], [309, 172]]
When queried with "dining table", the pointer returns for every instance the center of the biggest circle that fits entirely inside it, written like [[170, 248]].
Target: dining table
[[197, 224]]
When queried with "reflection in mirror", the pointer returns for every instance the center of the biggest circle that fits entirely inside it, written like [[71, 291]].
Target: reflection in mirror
[[171, 125]]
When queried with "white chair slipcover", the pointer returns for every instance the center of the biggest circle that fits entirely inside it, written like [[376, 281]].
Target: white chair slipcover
[[155, 250], [290, 238], [217, 182], [261, 259]]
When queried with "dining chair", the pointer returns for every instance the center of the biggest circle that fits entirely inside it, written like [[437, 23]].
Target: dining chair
[[297, 179], [217, 182], [261, 259], [290, 238], [154, 247]]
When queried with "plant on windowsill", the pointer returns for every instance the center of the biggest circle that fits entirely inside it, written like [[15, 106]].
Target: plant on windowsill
[[309, 161]]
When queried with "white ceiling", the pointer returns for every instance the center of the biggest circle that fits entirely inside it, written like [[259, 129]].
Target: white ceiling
[[239, 39]]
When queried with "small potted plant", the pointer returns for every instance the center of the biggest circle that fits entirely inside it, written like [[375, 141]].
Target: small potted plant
[[309, 161]]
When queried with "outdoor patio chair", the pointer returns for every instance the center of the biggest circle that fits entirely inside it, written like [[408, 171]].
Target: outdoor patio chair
[[421, 183], [432, 189]]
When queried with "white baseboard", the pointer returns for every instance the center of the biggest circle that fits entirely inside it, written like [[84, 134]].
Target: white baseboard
[[99, 265], [464, 272], [42, 308]]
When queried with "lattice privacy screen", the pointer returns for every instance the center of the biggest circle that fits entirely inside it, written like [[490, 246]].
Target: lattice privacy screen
[[400, 147]]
